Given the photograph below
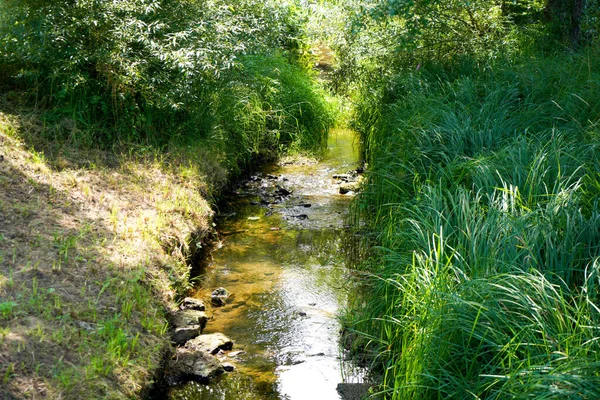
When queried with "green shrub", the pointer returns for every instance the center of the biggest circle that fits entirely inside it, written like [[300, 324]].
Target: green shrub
[[202, 72]]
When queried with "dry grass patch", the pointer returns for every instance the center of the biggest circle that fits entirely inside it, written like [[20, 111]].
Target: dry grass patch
[[93, 247]]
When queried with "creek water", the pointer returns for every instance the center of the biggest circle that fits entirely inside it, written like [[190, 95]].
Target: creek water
[[284, 264]]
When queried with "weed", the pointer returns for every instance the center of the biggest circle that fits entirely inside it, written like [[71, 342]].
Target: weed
[[56, 266], [114, 218], [37, 157], [39, 333], [7, 309], [126, 308], [9, 373]]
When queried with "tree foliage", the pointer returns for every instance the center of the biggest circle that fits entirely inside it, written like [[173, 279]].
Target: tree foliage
[[386, 36], [140, 68]]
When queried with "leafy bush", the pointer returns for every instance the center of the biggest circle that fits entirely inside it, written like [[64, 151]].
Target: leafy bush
[[153, 71], [267, 104]]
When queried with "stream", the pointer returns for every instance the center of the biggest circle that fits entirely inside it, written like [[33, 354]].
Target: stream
[[281, 257]]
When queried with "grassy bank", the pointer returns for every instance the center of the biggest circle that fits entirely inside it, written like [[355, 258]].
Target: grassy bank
[[120, 122], [93, 249], [484, 223], [95, 245]]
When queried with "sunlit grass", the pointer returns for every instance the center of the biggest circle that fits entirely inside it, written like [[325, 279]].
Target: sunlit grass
[[482, 203]]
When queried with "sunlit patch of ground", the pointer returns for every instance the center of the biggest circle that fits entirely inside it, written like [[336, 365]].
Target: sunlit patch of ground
[[93, 246]]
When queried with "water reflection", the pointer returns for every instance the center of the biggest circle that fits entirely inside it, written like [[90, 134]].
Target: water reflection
[[284, 264]]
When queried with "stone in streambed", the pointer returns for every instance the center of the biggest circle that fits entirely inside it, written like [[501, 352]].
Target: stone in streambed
[[343, 177], [349, 187], [186, 318], [189, 303], [353, 391], [219, 297], [182, 335], [235, 354], [211, 343], [191, 364], [283, 191], [228, 367]]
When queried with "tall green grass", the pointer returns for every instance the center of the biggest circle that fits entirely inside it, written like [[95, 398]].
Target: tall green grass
[[268, 106], [482, 204]]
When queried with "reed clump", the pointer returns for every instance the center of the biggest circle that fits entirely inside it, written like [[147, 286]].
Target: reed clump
[[484, 230]]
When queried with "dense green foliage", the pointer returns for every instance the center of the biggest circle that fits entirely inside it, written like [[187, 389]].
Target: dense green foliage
[[483, 196], [376, 39], [163, 72], [120, 120], [479, 125]]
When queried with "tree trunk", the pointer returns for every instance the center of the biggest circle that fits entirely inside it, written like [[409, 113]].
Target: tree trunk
[[566, 16], [576, 14]]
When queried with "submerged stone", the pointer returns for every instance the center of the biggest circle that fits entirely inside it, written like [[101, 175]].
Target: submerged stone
[[235, 354], [219, 297], [283, 191], [353, 391], [228, 367]]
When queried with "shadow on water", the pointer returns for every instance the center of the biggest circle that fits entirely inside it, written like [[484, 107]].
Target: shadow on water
[[284, 264]]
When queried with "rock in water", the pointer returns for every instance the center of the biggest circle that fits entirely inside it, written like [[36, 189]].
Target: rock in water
[[211, 343], [349, 187], [342, 177], [283, 191], [353, 391], [186, 318], [219, 297], [189, 303], [228, 367], [183, 334], [191, 364]]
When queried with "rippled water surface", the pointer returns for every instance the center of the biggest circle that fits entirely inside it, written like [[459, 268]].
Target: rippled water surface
[[284, 265]]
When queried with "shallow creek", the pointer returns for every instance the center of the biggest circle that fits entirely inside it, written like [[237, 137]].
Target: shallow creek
[[284, 265]]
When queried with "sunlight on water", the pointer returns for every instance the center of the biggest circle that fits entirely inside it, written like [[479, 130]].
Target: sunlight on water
[[284, 265]]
